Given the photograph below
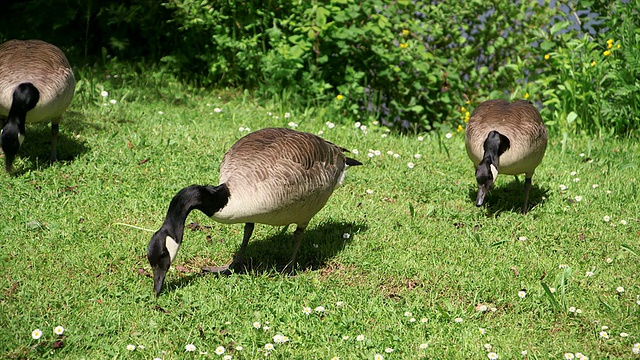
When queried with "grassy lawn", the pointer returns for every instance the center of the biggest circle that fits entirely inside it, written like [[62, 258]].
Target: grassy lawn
[[399, 263]]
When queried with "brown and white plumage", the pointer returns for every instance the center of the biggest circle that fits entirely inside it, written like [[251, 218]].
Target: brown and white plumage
[[506, 138], [272, 176], [25, 65]]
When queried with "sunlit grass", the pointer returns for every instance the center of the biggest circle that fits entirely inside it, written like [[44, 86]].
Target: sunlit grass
[[399, 264]]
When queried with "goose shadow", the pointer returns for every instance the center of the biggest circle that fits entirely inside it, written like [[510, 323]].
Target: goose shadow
[[272, 254], [35, 152], [510, 197]]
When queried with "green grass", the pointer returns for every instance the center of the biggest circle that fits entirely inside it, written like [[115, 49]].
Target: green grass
[[417, 244]]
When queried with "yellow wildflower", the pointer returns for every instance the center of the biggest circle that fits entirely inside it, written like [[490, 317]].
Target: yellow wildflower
[[403, 46], [606, 53], [547, 56], [618, 46], [609, 45], [468, 102], [460, 128], [610, 41], [339, 97], [593, 63], [405, 32], [526, 95], [467, 115], [463, 109]]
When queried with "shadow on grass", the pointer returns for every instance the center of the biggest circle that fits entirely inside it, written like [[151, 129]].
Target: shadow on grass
[[510, 197], [35, 152], [271, 255]]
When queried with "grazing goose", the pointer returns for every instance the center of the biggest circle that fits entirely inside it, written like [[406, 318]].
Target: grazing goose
[[272, 176], [505, 138], [36, 84]]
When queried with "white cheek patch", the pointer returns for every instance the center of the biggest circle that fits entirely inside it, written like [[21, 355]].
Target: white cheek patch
[[172, 247], [494, 171], [20, 138]]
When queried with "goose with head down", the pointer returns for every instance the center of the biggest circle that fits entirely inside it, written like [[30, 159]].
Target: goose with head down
[[272, 176]]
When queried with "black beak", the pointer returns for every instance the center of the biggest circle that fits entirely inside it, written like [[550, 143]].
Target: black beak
[[158, 279], [482, 192]]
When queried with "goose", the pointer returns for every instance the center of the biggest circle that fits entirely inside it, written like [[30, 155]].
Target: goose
[[505, 138], [36, 85], [272, 176]]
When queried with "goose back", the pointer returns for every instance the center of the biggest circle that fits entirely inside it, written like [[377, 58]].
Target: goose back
[[520, 122], [46, 67], [279, 176]]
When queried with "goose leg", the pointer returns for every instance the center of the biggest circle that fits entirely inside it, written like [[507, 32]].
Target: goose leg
[[527, 188], [54, 140], [297, 238], [238, 260]]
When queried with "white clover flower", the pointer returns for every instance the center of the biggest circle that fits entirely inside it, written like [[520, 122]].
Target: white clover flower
[[578, 311], [355, 152], [330, 125], [620, 289], [227, 357], [319, 309], [623, 222], [606, 218], [360, 337], [161, 112], [420, 138], [458, 320], [581, 356], [408, 313], [488, 347], [269, 113], [104, 93], [58, 330], [417, 156], [522, 294], [604, 327], [448, 135], [345, 337], [492, 356], [604, 334], [423, 346], [581, 154], [345, 236], [522, 238], [370, 154], [578, 198], [576, 179], [357, 124], [389, 152], [287, 115], [292, 124], [306, 310], [388, 350], [624, 335], [239, 348], [141, 347], [569, 356], [339, 303], [412, 320], [369, 191], [608, 260], [383, 135], [482, 331], [257, 325], [595, 186], [335, 358], [563, 187], [190, 348], [217, 110], [552, 290], [265, 328], [524, 352], [131, 347], [410, 165], [269, 346], [113, 101], [589, 273], [636, 348], [36, 334], [220, 350], [573, 173], [482, 308], [363, 128], [320, 133], [378, 357], [424, 320], [241, 128], [572, 309]]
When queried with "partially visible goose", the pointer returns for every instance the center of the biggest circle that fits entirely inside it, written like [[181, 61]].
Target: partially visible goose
[[506, 138], [271, 176], [36, 85]]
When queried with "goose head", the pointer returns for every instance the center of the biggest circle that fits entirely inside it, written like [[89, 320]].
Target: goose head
[[161, 252], [25, 98], [487, 171]]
